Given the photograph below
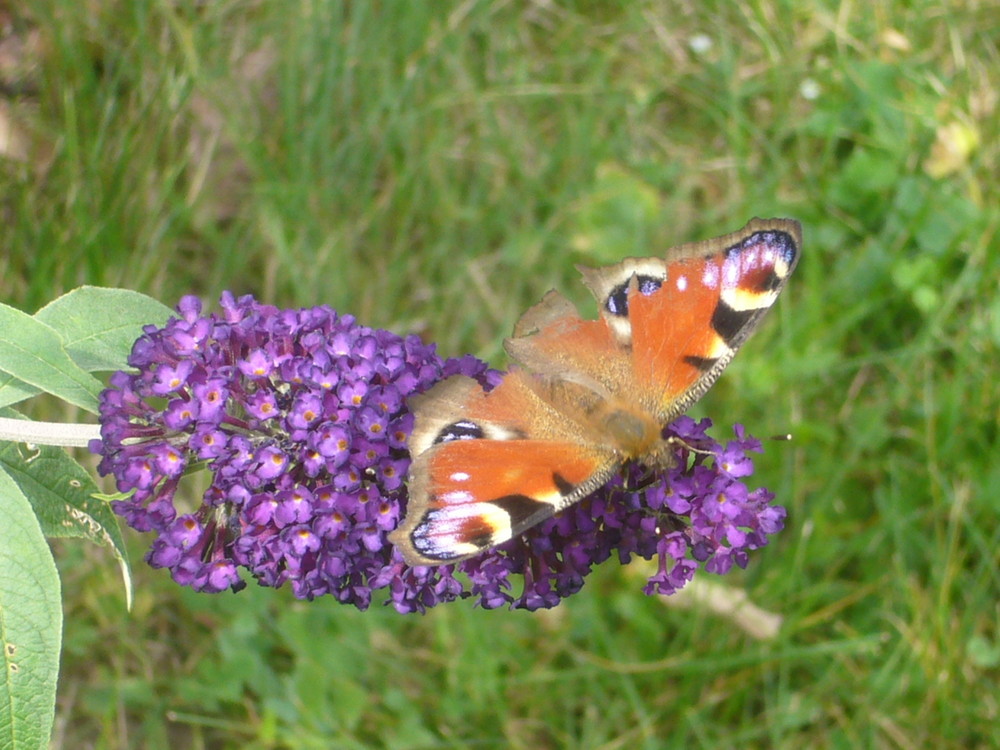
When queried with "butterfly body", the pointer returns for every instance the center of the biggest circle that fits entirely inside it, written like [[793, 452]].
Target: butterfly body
[[588, 395]]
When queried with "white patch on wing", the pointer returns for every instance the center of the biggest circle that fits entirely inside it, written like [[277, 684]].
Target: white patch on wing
[[620, 327], [710, 276], [457, 497], [780, 265]]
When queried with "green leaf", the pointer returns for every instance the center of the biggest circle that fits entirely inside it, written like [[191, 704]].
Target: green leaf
[[30, 624], [864, 184], [61, 492], [33, 352], [98, 325], [14, 391]]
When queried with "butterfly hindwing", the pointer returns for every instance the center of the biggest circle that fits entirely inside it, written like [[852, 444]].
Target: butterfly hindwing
[[552, 340]]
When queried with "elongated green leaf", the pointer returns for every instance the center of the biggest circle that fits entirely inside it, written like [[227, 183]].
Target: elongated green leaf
[[30, 624], [13, 391], [61, 492], [33, 352], [99, 325]]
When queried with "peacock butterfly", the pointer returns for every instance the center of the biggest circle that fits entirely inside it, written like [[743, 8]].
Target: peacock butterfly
[[589, 395]]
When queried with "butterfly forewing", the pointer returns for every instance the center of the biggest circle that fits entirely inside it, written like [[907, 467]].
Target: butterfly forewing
[[686, 331], [475, 494]]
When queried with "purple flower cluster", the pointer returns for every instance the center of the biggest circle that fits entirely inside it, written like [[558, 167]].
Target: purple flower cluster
[[300, 417]]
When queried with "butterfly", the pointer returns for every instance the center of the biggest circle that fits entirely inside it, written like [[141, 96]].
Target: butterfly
[[587, 396]]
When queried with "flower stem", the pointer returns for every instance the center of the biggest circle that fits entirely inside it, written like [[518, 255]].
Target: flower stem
[[48, 433]]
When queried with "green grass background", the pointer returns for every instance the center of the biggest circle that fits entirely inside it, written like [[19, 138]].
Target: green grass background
[[436, 167]]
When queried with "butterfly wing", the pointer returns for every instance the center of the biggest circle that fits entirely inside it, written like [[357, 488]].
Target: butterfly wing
[[552, 340], [684, 317], [489, 466]]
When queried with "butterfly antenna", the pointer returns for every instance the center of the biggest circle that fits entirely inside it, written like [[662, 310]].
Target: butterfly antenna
[[674, 440]]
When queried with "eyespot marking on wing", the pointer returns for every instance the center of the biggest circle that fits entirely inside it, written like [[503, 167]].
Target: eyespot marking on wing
[[754, 270], [462, 430], [466, 429], [452, 532], [617, 300]]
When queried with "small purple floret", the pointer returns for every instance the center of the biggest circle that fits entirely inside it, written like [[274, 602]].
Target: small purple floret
[[301, 418]]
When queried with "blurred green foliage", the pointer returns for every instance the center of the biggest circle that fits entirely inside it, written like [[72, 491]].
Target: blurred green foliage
[[436, 167]]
